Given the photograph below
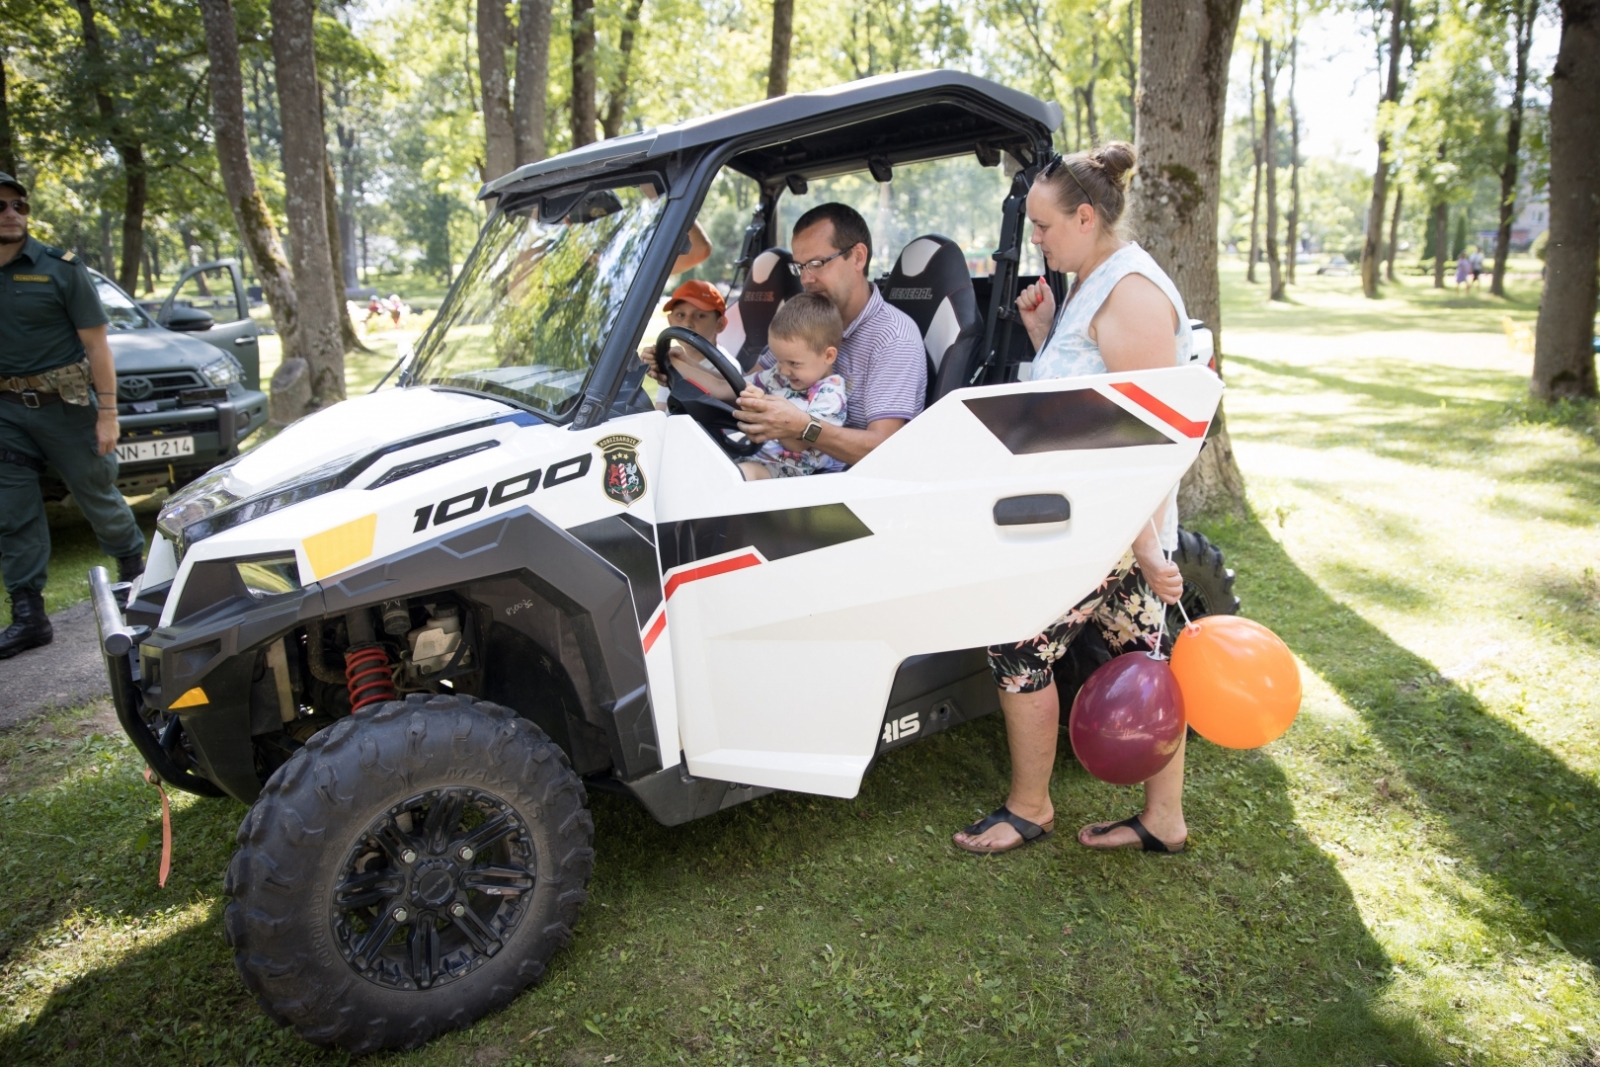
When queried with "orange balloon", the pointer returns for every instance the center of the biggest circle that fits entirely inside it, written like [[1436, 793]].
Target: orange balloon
[[1240, 683]]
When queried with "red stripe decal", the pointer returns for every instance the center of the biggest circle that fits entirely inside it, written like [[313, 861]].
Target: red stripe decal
[[656, 627], [710, 570], [1187, 427]]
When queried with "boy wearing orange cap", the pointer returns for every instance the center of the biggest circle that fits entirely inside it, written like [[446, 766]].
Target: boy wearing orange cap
[[696, 306]]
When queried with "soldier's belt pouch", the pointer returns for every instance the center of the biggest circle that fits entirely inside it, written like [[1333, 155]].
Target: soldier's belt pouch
[[73, 383]]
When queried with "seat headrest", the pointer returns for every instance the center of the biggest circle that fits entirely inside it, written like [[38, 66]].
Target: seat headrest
[[770, 283], [930, 284]]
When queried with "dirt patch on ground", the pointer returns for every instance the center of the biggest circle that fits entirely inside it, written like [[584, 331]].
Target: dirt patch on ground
[[30, 749]]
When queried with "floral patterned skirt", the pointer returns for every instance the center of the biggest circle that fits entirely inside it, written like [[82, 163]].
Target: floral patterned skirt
[[1124, 610]]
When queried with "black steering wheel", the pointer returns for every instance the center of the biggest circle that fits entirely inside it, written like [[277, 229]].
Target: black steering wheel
[[684, 397]]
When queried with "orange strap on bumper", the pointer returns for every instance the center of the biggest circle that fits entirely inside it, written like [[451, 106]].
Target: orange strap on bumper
[[166, 827]]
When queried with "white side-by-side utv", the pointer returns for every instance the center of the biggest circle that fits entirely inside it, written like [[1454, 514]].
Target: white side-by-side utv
[[414, 630]]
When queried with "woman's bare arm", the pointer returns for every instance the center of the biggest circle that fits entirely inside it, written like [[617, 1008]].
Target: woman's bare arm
[[1136, 328]]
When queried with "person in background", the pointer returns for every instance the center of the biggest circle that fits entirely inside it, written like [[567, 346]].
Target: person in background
[[58, 406]]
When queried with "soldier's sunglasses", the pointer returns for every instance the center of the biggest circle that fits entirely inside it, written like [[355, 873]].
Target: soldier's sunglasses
[[21, 207]]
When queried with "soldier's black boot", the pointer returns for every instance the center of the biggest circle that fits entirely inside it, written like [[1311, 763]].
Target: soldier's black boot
[[30, 627], [130, 567]]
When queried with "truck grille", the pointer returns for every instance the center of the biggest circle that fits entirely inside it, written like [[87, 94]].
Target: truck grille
[[163, 385]]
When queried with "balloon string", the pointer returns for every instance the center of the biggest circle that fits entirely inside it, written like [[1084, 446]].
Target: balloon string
[[1162, 639]]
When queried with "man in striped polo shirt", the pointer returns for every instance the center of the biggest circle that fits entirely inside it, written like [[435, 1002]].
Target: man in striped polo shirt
[[881, 357]]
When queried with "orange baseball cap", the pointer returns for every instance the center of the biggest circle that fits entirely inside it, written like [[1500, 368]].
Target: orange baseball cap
[[702, 295]]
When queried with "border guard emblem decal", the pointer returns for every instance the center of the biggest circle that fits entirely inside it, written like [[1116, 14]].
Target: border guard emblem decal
[[624, 481]]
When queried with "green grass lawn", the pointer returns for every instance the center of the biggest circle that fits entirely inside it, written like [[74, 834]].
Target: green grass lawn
[[1411, 876]]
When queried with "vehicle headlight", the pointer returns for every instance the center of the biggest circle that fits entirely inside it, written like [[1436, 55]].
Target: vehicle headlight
[[207, 507], [196, 501], [223, 371], [269, 577]]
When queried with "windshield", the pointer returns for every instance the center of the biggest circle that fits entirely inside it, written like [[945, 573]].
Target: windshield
[[535, 302], [122, 312]]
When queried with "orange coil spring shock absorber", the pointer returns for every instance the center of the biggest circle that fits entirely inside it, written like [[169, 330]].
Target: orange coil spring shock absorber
[[366, 672]]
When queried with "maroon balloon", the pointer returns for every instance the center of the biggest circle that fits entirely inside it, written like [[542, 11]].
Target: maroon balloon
[[1127, 720]]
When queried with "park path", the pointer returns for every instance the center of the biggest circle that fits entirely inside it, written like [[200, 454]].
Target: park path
[[66, 673]]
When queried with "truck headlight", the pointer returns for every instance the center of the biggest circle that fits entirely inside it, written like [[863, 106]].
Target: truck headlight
[[223, 372]]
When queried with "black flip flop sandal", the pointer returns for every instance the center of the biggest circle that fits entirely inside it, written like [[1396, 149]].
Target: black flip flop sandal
[[1148, 841], [1030, 832]]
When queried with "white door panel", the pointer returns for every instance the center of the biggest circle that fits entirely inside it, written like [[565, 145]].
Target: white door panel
[[790, 613]]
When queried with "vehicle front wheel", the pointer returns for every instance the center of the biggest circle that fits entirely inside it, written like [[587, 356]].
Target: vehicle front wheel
[[409, 870]]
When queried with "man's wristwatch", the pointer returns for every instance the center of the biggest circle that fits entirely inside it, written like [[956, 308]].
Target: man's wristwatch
[[811, 432]]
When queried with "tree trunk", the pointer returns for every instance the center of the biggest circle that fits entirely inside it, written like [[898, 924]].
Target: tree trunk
[[8, 144], [1441, 242], [1292, 245], [1183, 84], [1269, 141], [1255, 194], [533, 79], [314, 379], [249, 208], [1523, 13], [149, 272], [347, 140], [348, 338], [1563, 353], [128, 148], [1380, 176], [1394, 230], [617, 99], [583, 74], [494, 34], [782, 44]]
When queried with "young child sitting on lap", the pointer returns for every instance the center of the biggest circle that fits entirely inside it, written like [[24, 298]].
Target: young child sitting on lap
[[804, 337]]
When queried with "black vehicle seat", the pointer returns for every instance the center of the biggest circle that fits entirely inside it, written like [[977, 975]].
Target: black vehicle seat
[[930, 283], [770, 283]]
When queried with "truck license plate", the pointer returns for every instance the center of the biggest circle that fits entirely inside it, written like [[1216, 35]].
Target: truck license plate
[[155, 448]]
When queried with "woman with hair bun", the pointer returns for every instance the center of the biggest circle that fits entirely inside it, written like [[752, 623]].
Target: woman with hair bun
[[1122, 313]]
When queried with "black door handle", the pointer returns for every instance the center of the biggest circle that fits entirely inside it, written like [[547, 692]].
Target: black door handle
[[1031, 509]]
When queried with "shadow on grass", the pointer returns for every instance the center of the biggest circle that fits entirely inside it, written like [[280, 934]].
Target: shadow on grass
[[783, 928], [1522, 819]]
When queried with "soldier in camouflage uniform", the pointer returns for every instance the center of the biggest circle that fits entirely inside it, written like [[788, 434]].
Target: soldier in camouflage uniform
[[58, 405]]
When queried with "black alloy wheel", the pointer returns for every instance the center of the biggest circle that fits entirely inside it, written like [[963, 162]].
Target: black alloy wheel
[[433, 888]]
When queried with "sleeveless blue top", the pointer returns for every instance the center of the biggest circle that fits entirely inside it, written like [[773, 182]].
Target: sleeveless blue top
[[1069, 351]]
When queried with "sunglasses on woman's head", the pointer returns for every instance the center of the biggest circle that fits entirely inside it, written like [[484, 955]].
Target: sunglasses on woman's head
[[21, 207], [1059, 162]]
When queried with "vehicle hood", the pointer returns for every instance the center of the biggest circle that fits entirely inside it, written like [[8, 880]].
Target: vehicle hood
[[352, 429], [145, 351]]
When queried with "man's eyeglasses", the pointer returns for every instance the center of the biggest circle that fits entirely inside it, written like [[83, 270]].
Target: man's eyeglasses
[[21, 207], [1059, 162], [814, 265]]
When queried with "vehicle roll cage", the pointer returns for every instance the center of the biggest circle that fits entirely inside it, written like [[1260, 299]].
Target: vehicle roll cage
[[874, 125]]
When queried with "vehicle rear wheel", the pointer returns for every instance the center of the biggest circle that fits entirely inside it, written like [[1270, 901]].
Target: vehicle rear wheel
[[408, 871], [1207, 583]]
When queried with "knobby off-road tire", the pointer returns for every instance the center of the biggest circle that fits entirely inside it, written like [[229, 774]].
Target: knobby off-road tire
[[1207, 583], [411, 869]]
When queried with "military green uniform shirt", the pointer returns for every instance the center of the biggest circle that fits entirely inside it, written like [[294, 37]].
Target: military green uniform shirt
[[46, 297]]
